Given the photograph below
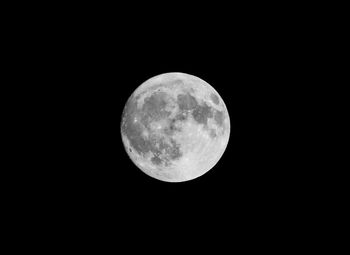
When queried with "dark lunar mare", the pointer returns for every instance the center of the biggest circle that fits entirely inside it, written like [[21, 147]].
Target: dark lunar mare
[[154, 109], [186, 102], [201, 112], [133, 130], [219, 117]]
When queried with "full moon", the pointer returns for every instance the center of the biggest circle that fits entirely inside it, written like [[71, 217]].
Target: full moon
[[182, 133]]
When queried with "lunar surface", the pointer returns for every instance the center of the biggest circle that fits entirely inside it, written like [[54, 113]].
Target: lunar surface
[[175, 127]]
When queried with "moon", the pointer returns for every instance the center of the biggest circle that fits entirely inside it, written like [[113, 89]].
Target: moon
[[201, 146]]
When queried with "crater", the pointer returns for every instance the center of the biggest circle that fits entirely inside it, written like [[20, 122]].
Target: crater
[[214, 98]]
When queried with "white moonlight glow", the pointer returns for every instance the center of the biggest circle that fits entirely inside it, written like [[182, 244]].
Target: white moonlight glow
[[200, 151]]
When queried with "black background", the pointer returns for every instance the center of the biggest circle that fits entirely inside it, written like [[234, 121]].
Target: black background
[[251, 68], [87, 64]]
